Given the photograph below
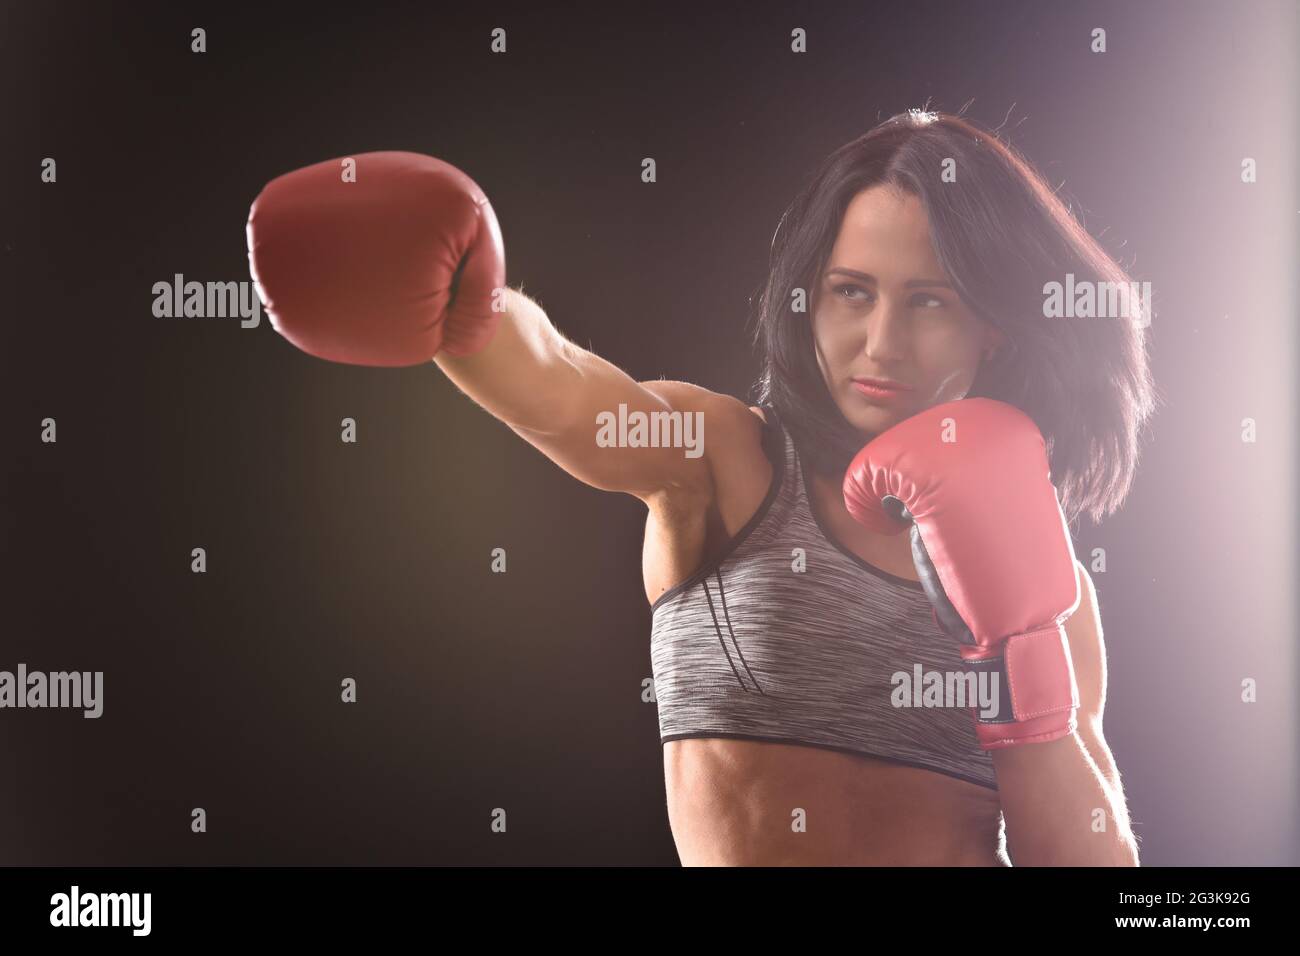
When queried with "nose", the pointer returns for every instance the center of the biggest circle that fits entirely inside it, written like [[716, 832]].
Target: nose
[[887, 334]]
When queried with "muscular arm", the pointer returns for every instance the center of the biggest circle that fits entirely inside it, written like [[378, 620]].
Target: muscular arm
[[1063, 801], [550, 391]]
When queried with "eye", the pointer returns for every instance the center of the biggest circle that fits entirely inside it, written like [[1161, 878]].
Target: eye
[[848, 287], [846, 291]]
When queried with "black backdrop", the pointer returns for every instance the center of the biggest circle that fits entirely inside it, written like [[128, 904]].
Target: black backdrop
[[523, 691]]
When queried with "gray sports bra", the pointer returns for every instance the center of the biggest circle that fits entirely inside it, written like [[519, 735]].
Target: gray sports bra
[[757, 646]]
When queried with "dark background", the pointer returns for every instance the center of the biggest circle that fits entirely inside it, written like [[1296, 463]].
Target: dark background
[[326, 561]]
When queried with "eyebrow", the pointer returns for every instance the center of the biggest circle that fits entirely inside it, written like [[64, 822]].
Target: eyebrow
[[868, 277]]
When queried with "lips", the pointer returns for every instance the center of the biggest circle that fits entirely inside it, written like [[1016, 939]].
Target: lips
[[879, 388], [886, 383]]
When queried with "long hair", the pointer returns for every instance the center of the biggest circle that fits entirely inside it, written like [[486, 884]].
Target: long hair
[[1000, 234]]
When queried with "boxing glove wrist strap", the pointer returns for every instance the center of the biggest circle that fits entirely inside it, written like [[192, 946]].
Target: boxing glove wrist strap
[[1033, 691]]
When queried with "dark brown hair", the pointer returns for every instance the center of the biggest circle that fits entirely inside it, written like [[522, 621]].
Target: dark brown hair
[[1000, 233]]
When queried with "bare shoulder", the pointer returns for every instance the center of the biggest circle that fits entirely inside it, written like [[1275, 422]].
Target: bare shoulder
[[727, 421], [733, 473], [687, 395]]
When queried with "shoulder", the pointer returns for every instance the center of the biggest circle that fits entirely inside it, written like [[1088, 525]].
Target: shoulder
[[734, 469], [726, 418]]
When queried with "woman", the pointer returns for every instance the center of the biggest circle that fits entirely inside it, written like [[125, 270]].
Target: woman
[[909, 273]]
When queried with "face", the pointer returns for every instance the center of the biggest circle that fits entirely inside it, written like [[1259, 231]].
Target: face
[[883, 310]]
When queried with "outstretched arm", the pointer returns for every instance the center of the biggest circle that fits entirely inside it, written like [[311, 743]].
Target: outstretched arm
[[550, 392]]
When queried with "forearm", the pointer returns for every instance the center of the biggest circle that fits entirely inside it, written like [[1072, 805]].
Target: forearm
[[526, 376], [1059, 808]]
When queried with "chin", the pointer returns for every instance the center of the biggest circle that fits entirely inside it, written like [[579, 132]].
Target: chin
[[869, 418]]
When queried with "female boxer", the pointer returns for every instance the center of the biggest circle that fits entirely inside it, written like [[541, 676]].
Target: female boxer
[[829, 565]]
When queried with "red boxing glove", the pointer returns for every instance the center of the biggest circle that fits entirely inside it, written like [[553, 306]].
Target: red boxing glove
[[991, 547], [385, 268]]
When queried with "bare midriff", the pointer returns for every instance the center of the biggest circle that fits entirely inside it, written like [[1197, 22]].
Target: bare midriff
[[751, 803]]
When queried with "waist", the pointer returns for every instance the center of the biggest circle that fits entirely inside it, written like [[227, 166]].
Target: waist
[[748, 803]]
